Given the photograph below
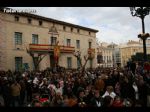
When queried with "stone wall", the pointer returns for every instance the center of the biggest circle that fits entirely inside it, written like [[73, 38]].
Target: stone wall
[[2, 43]]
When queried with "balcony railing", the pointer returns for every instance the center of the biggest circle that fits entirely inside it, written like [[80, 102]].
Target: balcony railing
[[50, 48]]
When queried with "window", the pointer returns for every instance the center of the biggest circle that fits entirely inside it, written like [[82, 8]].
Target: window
[[78, 30], [104, 58], [18, 38], [64, 28], [68, 42], [40, 23], [71, 29], [34, 39], [25, 66], [69, 62], [89, 33], [78, 63], [16, 18], [90, 44], [29, 20], [107, 58], [18, 63], [53, 40], [78, 44]]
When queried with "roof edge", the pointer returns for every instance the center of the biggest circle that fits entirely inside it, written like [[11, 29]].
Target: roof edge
[[48, 19]]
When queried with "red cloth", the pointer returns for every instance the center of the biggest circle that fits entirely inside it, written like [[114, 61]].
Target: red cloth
[[146, 67], [117, 104], [43, 99]]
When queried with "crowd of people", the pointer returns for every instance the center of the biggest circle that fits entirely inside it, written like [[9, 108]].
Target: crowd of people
[[100, 87]]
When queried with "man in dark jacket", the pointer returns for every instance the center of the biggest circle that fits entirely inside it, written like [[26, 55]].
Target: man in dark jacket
[[142, 87], [81, 98], [133, 67], [97, 100], [22, 92], [6, 93], [127, 86]]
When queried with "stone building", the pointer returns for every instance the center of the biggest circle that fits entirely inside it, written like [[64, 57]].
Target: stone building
[[20, 32]]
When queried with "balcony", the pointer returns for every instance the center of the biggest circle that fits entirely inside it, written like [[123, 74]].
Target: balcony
[[50, 48]]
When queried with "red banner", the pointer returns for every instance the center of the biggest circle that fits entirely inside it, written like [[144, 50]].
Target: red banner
[[146, 66], [56, 53]]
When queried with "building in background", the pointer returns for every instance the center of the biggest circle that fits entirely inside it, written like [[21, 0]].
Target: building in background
[[106, 55], [131, 48], [117, 56], [116, 59], [20, 32], [113, 55]]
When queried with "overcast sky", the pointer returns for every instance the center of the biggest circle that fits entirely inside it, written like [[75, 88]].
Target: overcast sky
[[115, 24]]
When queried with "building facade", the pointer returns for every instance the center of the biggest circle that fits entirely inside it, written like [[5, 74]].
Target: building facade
[[106, 55], [117, 57], [131, 48], [115, 54], [22, 32]]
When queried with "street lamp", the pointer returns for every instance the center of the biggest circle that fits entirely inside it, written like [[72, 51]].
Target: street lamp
[[113, 54], [141, 12]]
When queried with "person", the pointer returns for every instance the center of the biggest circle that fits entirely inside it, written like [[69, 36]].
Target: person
[[117, 88], [133, 67], [134, 85], [127, 102], [109, 92], [15, 93], [81, 98], [127, 86], [108, 101], [97, 100], [36, 103], [57, 100], [6, 92], [43, 86], [29, 90], [100, 84], [142, 89], [72, 102], [117, 102], [58, 88], [22, 92]]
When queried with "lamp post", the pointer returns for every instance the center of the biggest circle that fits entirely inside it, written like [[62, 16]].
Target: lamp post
[[141, 12], [113, 55]]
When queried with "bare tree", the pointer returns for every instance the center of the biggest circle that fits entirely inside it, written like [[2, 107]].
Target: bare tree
[[86, 58], [36, 60], [77, 54]]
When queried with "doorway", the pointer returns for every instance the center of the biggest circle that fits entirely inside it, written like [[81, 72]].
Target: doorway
[[52, 63]]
